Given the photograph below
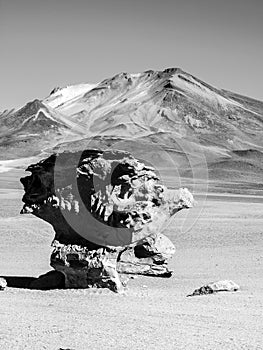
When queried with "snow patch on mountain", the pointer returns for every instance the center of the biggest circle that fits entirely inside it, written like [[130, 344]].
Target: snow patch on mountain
[[68, 93], [41, 110]]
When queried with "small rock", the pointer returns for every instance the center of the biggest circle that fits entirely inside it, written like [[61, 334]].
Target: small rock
[[214, 287], [3, 283]]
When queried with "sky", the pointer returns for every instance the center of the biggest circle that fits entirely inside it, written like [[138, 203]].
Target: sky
[[52, 43]]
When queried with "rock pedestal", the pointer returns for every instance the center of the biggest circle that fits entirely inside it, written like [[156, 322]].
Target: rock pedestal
[[84, 268]]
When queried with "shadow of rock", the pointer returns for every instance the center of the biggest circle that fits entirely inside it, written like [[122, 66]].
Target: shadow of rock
[[50, 280]]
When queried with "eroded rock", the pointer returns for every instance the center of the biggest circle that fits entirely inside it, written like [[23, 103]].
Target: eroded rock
[[102, 206], [84, 268], [149, 257]]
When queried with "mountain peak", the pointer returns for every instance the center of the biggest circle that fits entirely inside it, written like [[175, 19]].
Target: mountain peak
[[57, 88], [31, 107], [173, 70]]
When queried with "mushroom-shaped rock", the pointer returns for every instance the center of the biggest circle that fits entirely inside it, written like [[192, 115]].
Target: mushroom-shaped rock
[[98, 202]]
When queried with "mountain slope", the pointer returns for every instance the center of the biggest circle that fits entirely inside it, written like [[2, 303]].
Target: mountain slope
[[171, 101], [169, 115], [31, 129]]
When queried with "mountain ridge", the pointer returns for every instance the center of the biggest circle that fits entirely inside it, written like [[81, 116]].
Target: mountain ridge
[[171, 109]]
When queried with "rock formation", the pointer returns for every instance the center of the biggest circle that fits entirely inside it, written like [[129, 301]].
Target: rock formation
[[107, 208]]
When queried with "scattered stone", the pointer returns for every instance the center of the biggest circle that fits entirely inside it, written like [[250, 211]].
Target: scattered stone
[[215, 287], [3, 283]]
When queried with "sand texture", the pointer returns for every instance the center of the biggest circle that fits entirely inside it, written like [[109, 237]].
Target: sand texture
[[225, 242]]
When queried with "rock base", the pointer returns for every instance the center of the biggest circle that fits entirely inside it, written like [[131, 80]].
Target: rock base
[[85, 268]]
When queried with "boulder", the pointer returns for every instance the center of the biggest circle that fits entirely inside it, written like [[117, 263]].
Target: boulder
[[104, 206], [149, 257]]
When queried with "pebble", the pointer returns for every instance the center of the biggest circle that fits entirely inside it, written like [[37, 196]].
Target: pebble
[[3, 283]]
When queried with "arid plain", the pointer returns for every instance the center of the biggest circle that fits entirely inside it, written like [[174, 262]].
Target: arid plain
[[221, 239]]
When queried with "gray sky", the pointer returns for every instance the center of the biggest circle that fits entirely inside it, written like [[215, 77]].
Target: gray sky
[[52, 43]]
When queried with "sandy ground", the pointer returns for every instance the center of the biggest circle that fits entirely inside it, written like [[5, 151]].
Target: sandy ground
[[222, 240]]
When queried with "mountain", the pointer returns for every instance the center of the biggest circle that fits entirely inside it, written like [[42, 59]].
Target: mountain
[[31, 129], [171, 101], [168, 115]]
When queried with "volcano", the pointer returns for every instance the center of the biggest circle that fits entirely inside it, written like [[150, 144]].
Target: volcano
[[170, 116]]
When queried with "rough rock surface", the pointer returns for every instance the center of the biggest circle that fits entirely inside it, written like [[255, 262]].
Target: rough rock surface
[[84, 268], [147, 258], [214, 287], [98, 203]]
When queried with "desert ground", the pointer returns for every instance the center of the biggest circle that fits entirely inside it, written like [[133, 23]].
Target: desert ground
[[221, 239]]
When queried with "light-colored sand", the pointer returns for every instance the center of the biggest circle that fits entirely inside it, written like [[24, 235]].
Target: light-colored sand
[[225, 242]]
